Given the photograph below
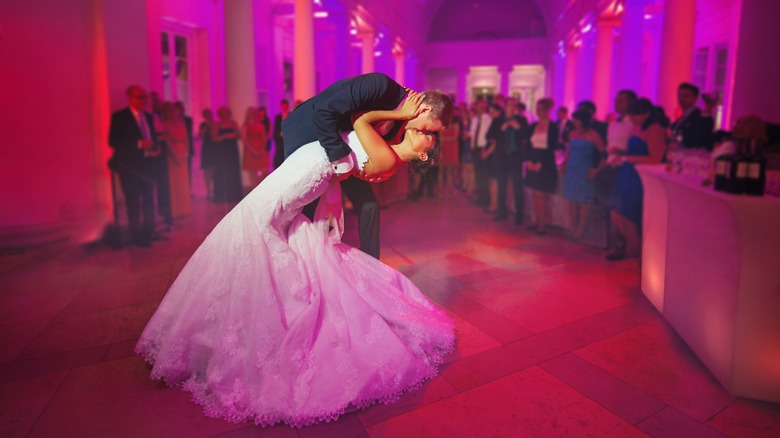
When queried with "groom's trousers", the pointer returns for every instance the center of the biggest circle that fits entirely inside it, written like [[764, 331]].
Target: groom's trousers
[[366, 206]]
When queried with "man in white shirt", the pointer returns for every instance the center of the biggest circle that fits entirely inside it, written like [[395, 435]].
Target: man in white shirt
[[480, 123], [618, 133]]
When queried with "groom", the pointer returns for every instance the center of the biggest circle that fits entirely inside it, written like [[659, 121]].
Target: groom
[[323, 117]]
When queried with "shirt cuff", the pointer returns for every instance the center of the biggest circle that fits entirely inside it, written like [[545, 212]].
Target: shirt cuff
[[344, 165]]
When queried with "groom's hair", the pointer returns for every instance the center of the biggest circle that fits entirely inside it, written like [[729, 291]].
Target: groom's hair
[[441, 106]]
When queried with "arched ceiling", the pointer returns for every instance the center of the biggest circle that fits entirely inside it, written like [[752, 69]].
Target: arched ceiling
[[468, 20], [412, 20]]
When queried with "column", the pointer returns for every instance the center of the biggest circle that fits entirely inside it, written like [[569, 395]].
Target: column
[[342, 56], [677, 32], [239, 56], [570, 81], [367, 36], [303, 62], [630, 57], [399, 56], [504, 71], [753, 88], [463, 83], [602, 70]]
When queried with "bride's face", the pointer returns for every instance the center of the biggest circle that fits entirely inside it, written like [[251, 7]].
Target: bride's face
[[420, 142]]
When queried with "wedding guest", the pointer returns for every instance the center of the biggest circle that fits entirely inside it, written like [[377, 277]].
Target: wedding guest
[[176, 139], [207, 151], [255, 137], [693, 129], [514, 133], [449, 156], [190, 138], [480, 123], [578, 184], [262, 114], [131, 136], [564, 127], [541, 171], [646, 146], [467, 182], [162, 179], [227, 171], [618, 132], [490, 155], [284, 107], [599, 126]]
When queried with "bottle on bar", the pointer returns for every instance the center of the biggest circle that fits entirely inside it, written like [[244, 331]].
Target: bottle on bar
[[739, 168], [756, 172], [723, 172]]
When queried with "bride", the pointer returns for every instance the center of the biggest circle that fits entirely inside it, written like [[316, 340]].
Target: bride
[[273, 319]]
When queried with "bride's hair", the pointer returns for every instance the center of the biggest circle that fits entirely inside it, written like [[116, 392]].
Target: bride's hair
[[418, 166]]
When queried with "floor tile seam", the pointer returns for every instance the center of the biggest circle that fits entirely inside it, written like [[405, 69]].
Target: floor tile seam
[[105, 309], [712, 417], [686, 415], [534, 363], [567, 326], [634, 424], [629, 384], [42, 358], [52, 320], [664, 405], [44, 257], [48, 403]]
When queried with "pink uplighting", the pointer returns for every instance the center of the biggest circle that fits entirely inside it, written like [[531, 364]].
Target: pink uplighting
[[600, 226]]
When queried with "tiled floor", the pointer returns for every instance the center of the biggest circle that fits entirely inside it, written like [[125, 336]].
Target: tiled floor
[[552, 341]]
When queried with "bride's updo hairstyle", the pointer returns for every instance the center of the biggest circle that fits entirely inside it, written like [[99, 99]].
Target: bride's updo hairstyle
[[441, 106], [418, 166]]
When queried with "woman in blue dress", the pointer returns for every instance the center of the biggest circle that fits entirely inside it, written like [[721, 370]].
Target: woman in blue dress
[[584, 160], [646, 146]]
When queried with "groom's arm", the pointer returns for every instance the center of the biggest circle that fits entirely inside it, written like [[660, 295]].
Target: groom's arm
[[361, 93]]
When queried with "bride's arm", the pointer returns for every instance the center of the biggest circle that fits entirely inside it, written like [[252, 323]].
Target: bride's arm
[[381, 158]]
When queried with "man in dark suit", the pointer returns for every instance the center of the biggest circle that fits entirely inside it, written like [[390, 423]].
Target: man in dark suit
[[323, 117], [131, 135], [693, 129]]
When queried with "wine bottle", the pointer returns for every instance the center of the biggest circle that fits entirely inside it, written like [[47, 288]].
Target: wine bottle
[[739, 167], [723, 172], [756, 177]]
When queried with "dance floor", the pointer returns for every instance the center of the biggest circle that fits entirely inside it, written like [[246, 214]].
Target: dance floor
[[552, 340]]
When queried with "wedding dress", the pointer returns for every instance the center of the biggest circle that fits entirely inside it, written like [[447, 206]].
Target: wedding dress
[[273, 319]]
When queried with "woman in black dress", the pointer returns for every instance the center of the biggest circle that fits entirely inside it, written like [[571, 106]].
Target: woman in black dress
[[541, 172], [227, 170]]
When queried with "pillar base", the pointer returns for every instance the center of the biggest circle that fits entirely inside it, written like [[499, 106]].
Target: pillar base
[[21, 237]]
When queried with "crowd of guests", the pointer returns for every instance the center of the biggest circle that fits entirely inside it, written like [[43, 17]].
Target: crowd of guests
[[488, 146], [154, 151], [588, 162]]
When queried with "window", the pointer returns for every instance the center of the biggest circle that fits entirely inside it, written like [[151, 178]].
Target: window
[[719, 80], [175, 67], [700, 60]]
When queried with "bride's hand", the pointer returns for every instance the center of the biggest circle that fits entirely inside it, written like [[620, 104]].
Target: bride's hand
[[411, 108], [360, 174]]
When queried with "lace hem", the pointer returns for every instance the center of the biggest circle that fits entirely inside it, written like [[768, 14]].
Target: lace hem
[[201, 395]]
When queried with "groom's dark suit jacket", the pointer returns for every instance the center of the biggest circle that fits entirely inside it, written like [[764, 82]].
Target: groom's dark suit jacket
[[323, 117]]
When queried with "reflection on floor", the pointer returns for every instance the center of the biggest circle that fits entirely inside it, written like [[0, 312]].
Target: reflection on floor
[[552, 341]]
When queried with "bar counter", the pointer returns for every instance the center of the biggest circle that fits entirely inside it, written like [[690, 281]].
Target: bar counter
[[711, 266]]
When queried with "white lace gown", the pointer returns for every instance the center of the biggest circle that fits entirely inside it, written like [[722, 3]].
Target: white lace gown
[[273, 319]]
